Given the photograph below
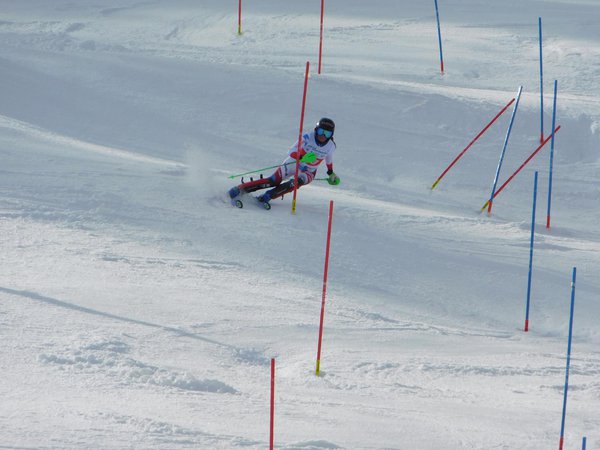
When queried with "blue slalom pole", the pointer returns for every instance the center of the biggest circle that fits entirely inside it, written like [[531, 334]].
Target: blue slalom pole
[[535, 181], [584, 443], [564, 410], [512, 119], [551, 156], [541, 85], [437, 15]]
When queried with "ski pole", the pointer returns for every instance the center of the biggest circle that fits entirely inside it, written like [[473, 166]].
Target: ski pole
[[322, 179], [308, 158], [231, 177]]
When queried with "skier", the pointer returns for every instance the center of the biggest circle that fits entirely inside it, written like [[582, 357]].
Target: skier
[[315, 147]]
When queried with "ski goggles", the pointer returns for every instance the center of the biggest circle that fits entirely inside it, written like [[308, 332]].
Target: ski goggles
[[326, 133]]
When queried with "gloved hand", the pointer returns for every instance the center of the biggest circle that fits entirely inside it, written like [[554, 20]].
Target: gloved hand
[[333, 179], [310, 157]]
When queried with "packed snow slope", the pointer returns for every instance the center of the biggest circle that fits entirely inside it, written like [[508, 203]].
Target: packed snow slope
[[138, 309]]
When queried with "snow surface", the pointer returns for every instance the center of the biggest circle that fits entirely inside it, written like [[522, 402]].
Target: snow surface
[[139, 310]]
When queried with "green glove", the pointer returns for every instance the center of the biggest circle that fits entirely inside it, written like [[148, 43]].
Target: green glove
[[333, 179], [310, 157]]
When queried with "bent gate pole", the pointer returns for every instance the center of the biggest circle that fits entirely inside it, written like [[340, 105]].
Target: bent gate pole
[[471, 143], [521, 167]]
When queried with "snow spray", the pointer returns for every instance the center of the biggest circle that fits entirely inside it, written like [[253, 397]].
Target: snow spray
[[564, 410], [551, 156], [535, 180], [471, 143], [300, 138], [318, 371]]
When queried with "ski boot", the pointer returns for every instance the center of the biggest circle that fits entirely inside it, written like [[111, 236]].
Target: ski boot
[[264, 200], [234, 193]]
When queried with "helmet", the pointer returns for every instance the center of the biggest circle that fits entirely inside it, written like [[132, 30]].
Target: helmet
[[326, 124]]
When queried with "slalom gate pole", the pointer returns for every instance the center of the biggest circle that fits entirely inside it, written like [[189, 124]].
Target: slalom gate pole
[[510, 125], [551, 156], [521, 167], [437, 15], [471, 143], [321, 35], [584, 443], [564, 410], [318, 370], [541, 84], [272, 421], [300, 138], [535, 181], [240, 17]]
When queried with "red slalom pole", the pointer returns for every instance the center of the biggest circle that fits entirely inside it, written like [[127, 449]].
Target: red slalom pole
[[321, 35], [318, 371], [271, 436], [471, 143], [240, 17], [521, 166], [300, 138]]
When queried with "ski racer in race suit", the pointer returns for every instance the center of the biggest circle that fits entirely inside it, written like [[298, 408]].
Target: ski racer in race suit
[[316, 147]]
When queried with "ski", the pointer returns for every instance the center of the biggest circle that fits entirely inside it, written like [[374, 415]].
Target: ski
[[239, 201]]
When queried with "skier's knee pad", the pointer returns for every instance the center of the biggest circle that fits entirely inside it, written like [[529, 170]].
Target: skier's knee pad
[[276, 178]]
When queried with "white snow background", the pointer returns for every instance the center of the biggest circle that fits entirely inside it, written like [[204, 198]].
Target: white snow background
[[140, 310]]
